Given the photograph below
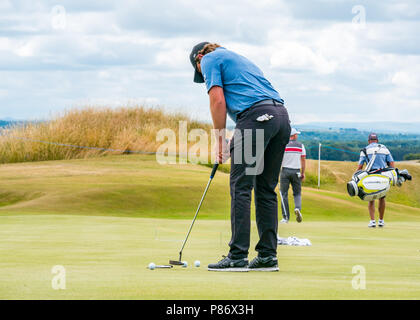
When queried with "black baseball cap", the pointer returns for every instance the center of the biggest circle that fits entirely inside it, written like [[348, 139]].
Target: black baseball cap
[[373, 136], [198, 77]]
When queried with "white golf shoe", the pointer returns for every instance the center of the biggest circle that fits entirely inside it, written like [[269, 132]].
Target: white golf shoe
[[284, 221], [372, 224], [298, 215], [381, 223]]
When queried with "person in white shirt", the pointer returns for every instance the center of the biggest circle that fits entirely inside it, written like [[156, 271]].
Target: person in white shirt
[[292, 172]]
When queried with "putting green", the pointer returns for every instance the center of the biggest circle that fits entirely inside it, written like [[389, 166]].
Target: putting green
[[104, 220], [107, 258]]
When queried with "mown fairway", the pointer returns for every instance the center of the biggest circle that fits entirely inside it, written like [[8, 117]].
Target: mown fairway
[[105, 219]]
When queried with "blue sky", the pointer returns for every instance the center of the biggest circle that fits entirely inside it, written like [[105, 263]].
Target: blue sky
[[330, 60]]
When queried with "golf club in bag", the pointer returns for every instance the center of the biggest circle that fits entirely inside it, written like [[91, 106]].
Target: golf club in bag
[[179, 262]]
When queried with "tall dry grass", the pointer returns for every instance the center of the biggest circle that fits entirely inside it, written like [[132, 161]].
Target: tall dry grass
[[126, 129]]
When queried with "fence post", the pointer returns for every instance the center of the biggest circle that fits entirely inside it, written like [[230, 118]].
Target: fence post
[[319, 166]]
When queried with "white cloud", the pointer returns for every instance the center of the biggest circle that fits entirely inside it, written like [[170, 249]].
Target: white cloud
[[5, 44], [293, 55], [136, 50], [406, 79], [5, 5], [28, 48]]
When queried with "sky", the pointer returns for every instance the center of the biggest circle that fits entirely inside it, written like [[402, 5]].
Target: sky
[[330, 60]]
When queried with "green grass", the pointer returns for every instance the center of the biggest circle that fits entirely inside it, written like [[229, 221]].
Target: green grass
[[105, 219], [106, 258], [135, 186]]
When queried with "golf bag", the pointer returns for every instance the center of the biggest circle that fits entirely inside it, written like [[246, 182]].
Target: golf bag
[[371, 185]]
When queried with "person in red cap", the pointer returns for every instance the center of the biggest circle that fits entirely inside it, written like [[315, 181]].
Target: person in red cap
[[383, 159]]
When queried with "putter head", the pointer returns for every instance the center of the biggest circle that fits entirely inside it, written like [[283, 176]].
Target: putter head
[[176, 263]]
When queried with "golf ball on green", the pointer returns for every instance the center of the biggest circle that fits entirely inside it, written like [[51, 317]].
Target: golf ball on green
[[152, 266], [197, 263], [185, 264]]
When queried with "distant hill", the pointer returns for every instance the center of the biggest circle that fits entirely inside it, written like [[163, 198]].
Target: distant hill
[[5, 123], [378, 127]]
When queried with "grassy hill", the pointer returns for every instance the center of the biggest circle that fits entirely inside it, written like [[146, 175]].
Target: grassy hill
[[137, 186], [91, 132]]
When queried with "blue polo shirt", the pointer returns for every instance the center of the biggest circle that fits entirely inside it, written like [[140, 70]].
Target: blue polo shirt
[[383, 156], [242, 81]]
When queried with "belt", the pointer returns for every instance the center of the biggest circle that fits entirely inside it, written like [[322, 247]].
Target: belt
[[267, 102], [261, 103]]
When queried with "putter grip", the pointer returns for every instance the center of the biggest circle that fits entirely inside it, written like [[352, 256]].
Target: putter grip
[[213, 172]]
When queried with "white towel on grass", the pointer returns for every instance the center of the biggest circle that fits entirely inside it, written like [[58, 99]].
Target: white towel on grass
[[293, 241]]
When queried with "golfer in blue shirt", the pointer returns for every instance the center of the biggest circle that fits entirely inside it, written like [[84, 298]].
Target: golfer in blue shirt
[[238, 88]]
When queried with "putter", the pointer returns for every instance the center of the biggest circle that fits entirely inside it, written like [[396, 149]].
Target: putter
[[179, 262]]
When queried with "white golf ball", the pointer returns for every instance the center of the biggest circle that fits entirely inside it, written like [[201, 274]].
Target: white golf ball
[[197, 263], [152, 266], [185, 264]]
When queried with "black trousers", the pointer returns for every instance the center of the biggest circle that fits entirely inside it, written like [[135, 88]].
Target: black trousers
[[264, 179]]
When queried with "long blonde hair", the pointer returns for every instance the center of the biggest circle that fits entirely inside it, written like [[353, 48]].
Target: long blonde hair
[[209, 47]]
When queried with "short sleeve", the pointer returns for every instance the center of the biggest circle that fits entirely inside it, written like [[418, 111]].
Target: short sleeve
[[389, 158], [303, 154], [212, 71], [362, 159]]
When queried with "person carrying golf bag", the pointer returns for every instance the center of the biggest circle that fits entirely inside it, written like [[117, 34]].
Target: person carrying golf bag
[[237, 87], [383, 159]]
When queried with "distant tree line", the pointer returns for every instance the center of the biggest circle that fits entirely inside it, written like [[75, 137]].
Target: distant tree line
[[345, 145], [353, 135], [412, 156]]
